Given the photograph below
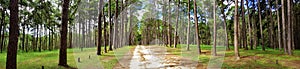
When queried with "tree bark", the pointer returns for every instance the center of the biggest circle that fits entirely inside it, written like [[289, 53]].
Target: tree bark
[[64, 30], [110, 30], [2, 29], [279, 27], [11, 60], [236, 48], [196, 25], [272, 44], [100, 27], [261, 26], [254, 25], [188, 28], [23, 38], [70, 38], [283, 27], [244, 38], [177, 20], [115, 28], [249, 25], [169, 24], [215, 30], [289, 32]]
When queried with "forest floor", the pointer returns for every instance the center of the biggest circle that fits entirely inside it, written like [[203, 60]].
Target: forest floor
[[142, 56]]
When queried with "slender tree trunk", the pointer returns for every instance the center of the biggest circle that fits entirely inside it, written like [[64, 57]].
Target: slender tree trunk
[[196, 25], [289, 32], [225, 28], [100, 27], [40, 39], [2, 29], [70, 38], [279, 27], [23, 38], [108, 40], [110, 28], [177, 20], [114, 43], [63, 44], [261, 26], [27, 40], [188, 28], [271, 26], [236, 48], [37, 38], [215, 31], [243, 31], [169, 23], [11, 60], [283, 27], [254, 25], [249, 25], [293, 25]]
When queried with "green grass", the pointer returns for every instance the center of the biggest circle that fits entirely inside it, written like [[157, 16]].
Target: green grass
[[35, 60], [49, 59], [250, 59]]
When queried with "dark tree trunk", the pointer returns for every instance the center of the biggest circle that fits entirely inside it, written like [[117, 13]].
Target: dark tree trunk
[[272, 44], [70, 38], [100, 27], [196, 25], [261, 26], [49, 40], [279, 26], [27, 40], [64, 30], [23, 38], [11, 60], [40, 40], [244, 38], [2, 27], [169, 24]]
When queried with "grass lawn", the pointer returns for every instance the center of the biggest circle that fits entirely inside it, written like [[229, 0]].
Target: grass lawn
[[49, 59], [250, 59]]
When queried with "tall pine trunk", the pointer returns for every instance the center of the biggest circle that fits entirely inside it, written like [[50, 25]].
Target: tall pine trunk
[[188, 28], [283, 27], [176, 25], [11, 59], [215, 30], [64, 30], [279, 26], [196, 29], [261, 26], [272, 44], [236, 23], [100, 27], [2, 29], [169, 23], [289, 29], [243, 31], [249, 25]]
